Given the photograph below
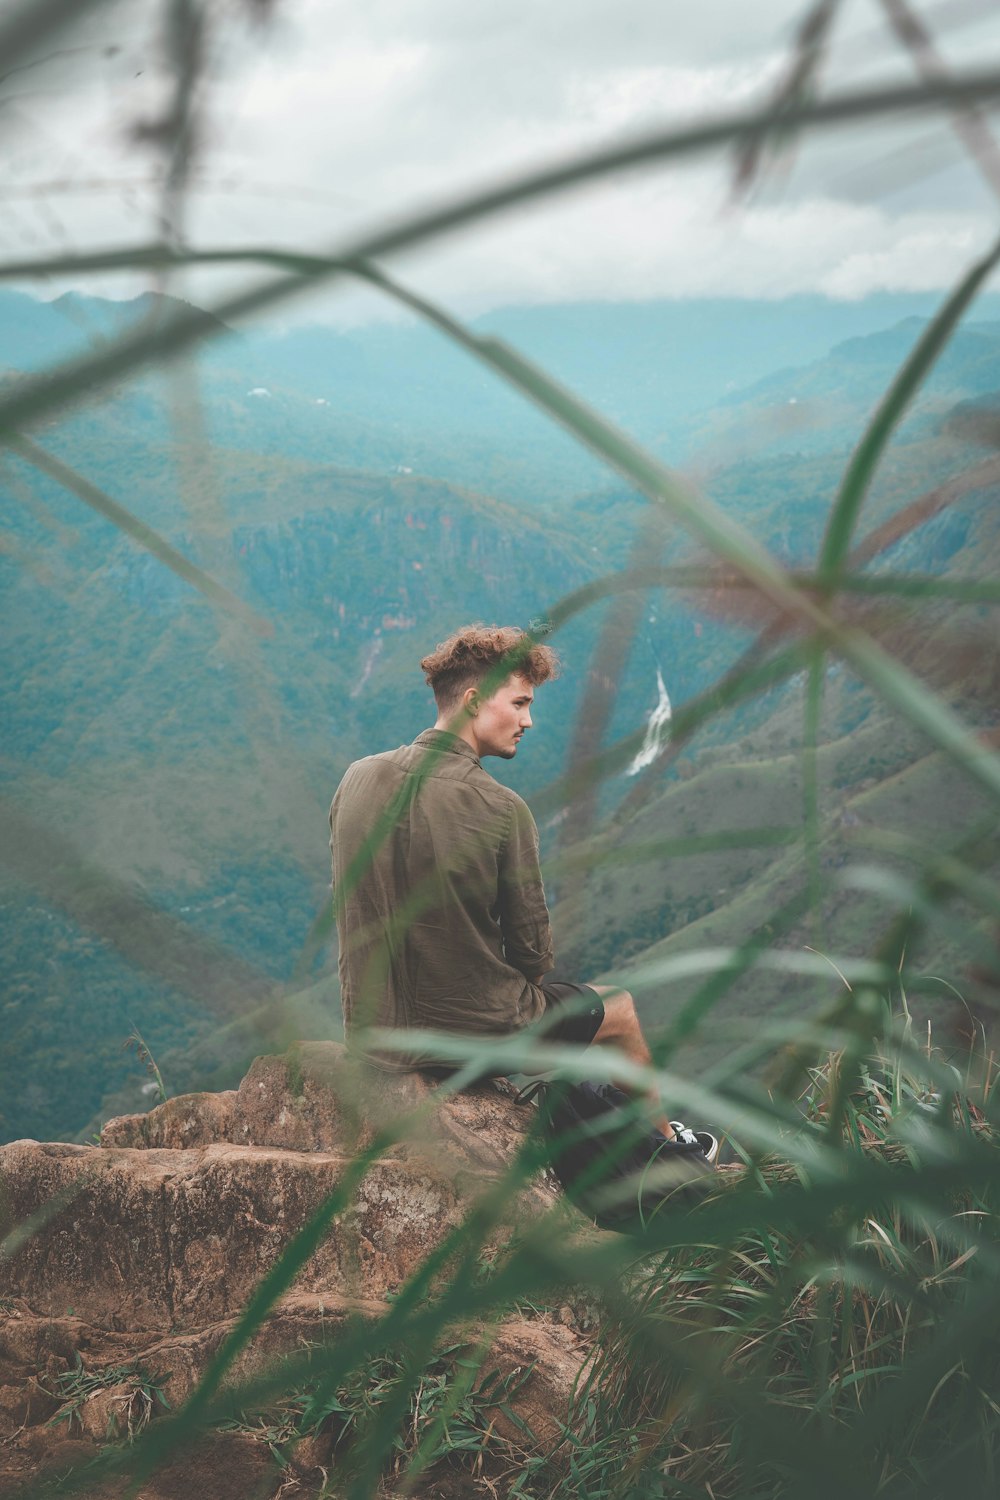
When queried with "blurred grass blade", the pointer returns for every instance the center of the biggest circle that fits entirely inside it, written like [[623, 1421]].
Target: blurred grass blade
[[588, 858], [720, 981], [153, 940], [412, 1297], [813, 709], [140, 532], [919, 511], [607, 668], [913, 586], [809, 49], [450, 1307], [930, 713], [17, 1236], [699, 515], [273, 1285], [698, 577], [969, 125], [35, 23], [942, 876], [957, 868]]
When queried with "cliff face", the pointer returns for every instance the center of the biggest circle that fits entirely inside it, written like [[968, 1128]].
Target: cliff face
[[127, 1264]]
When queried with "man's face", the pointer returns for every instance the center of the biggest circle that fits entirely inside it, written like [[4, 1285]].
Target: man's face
[[501, 720]]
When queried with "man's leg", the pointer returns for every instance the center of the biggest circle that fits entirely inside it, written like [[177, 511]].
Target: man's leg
[[620, 1028]]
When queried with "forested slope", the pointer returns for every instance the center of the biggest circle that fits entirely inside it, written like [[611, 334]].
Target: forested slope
[[160, 756]]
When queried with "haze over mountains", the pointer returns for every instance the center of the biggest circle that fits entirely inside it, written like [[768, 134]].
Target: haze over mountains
[[167, 772], [401, 394]]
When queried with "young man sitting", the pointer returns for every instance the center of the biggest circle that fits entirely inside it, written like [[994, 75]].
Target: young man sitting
[[440, 908]]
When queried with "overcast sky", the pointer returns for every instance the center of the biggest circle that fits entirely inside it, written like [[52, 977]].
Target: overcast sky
[[337, 116]]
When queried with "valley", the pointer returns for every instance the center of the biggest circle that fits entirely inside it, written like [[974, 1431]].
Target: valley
[[166, 770]]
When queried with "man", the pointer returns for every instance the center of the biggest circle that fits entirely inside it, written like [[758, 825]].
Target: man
[[440, 908]]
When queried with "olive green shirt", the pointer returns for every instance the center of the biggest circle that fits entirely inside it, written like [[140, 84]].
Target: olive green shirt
[[441, 914]]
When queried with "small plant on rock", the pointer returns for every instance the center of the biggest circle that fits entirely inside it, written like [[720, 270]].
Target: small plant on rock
[[135, 1042], [134, 1395]]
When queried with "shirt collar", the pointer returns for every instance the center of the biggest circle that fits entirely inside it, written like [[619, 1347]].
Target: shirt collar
[[443, 739]]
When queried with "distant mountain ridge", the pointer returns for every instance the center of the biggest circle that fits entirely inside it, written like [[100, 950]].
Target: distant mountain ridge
[[424, 404], [35, 333]]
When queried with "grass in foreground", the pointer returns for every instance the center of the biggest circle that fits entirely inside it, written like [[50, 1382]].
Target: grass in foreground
[[853, 1356]]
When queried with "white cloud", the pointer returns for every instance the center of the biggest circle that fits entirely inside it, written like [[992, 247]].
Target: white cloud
[[349, 112], [916, 261], [665, 239]]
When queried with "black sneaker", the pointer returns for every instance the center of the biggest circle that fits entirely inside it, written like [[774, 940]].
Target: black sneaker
[[703, 1138]]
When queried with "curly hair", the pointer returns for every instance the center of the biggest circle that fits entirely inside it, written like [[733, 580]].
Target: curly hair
[[465, 658]]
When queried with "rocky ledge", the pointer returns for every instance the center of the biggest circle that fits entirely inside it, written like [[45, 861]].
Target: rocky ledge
[[140, 1252]]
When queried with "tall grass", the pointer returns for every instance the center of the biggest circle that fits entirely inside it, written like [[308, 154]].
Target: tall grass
[[844, 1356], [824, 1324]]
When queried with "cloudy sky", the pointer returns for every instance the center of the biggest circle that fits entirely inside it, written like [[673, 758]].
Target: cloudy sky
[[338, 115]]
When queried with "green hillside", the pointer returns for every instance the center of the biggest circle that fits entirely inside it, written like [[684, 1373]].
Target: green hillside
[[878, 823], [165, 770]]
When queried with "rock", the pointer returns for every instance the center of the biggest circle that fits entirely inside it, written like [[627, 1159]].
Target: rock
[[155, 1235], [25, 1404], [226, 1466], [157, 1239], [60, 1454], [189, 1120], [316, 1098], [120, 1410], [145, 1250], [548, 1357], [312, 1455]]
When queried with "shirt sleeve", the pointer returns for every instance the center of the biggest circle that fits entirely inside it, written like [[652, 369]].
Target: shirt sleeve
[[524, 916]]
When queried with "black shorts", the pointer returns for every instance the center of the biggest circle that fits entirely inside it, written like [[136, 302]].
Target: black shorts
[[573, 1012]]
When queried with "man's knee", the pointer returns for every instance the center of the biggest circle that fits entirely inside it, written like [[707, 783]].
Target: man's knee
[[620, 1018]]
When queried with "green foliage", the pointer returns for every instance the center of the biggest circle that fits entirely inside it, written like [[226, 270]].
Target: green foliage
[[69, 1004], [137, 1397], [448, 1421], [847, 1352]]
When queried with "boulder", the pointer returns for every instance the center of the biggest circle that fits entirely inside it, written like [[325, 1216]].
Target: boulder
[[133, 1259], [317, 1098], [189, 1120]]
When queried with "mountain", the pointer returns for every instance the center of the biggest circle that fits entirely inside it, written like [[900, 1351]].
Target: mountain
[[37, 334], [649, 366], [400, 396], [165, 770], [822, 406]]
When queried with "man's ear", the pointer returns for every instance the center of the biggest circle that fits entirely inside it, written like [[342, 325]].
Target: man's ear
[[470, 701]]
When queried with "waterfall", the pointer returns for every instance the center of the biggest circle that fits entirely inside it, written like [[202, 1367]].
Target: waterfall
[[656, 729]]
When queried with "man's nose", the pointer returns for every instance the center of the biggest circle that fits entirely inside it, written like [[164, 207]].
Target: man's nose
[[526, 720]]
